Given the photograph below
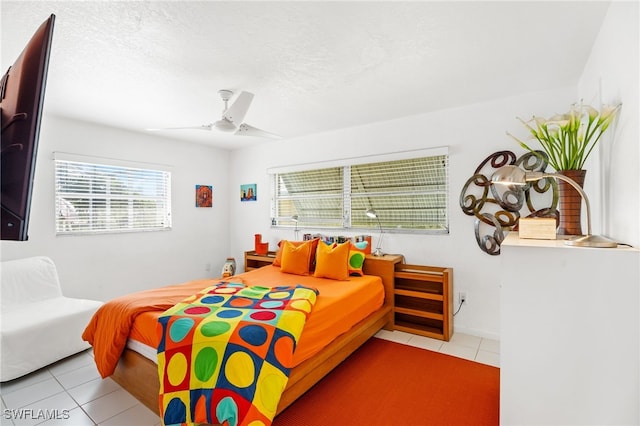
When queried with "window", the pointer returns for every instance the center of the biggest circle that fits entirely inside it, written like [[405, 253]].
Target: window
[[92, 197], [408, 191]]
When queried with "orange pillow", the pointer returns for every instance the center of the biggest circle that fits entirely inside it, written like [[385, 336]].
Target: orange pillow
[[332, 261], [295, 258], [312, 262], [278, 260]]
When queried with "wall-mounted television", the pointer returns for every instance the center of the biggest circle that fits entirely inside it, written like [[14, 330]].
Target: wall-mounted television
[[21, 98]]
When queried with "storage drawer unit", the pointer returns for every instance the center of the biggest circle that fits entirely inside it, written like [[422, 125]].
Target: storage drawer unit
[[423, 302]]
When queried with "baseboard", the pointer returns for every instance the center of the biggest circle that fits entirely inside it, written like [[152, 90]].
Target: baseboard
[[478, 333]]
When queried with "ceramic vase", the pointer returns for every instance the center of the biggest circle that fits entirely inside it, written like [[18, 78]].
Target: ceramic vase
[[570, 203], [260, 247]]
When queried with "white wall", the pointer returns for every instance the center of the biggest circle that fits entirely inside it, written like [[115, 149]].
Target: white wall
[[471, 132], [611, 76], [104, 266]]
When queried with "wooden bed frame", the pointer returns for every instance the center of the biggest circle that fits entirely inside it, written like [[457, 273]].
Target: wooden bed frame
[[139, 375]]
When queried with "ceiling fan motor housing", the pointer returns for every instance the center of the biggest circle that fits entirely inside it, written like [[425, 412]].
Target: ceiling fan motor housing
[[225, 125]]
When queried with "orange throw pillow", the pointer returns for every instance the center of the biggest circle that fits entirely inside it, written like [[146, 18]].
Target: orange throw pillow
[[278, 260], [332, 261], [312, 261], [295, 259]]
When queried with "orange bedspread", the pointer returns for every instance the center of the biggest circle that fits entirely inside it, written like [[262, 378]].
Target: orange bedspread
[[340, 305], [110, 326]]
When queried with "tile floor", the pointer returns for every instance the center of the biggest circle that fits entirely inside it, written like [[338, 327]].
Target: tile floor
[[73, 391], [484, 351]]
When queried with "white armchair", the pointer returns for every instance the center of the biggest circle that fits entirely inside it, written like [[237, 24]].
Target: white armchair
[[39, 325]]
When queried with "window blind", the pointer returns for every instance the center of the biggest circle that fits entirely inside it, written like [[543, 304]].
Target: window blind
[[315, 195], [408, 195], [99, 198]]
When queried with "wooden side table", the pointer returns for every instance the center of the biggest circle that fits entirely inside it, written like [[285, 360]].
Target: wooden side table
[[255, 261], [384, 267], [423, 302]]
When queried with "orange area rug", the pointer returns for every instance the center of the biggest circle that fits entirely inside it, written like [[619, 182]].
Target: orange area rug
[[387, 384]]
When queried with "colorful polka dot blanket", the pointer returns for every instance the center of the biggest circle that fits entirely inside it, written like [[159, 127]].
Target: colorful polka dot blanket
[[225, 353]]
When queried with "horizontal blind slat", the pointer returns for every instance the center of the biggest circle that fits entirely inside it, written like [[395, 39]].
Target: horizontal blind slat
[[406, 194], [94, 198]]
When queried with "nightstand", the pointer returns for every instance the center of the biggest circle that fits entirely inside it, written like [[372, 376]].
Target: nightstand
[[384, 267], [255, 261], [422, 300]]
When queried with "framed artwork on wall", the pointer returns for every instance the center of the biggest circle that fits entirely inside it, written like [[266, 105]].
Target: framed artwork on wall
[[204, 196], [249, 192]]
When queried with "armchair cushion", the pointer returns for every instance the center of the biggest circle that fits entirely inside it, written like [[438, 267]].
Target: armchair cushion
[[39, 325]]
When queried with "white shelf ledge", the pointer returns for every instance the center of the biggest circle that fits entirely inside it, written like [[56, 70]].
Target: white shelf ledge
[[513, 240]]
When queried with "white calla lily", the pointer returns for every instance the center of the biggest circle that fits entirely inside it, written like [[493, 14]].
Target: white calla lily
[[569, 138]]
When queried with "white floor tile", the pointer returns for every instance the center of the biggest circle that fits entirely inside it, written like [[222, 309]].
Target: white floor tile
[[459, 351], [32, 393], [5, 422], [425, 343], [395, 336], [383, 334], [109, 405], [138, 415], [78, 376], [77, 417], [71, 363], [460, 345], [490, 345], [24, 381], [465, 340], [489, 358], [94, 389], [56, 406]]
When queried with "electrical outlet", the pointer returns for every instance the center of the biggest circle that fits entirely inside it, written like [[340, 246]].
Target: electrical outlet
[[462, 297], [207, 267]]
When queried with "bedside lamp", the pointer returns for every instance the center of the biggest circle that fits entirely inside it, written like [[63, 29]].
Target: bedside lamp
[[513, 175], [373, 215], [295, 231]]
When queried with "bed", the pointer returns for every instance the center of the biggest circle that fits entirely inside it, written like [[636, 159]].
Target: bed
[[137, 371]]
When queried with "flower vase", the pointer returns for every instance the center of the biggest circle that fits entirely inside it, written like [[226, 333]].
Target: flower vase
[[570, 203]]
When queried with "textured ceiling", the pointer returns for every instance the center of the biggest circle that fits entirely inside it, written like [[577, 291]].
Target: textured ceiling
[[313, 66]]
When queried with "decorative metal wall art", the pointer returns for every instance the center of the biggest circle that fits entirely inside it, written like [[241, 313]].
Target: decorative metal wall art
[[501, 206]]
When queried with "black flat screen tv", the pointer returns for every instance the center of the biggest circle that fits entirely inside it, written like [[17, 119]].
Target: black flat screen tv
[[21, 98]]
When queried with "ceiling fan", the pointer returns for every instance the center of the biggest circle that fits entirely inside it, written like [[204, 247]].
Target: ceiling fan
[[232, 118]]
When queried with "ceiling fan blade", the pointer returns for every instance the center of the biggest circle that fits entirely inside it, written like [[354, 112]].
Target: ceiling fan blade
[[247, 130], [203, 127], [236, 112]]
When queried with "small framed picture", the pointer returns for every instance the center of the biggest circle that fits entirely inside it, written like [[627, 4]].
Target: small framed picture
[[249, 192], [204, 196]]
